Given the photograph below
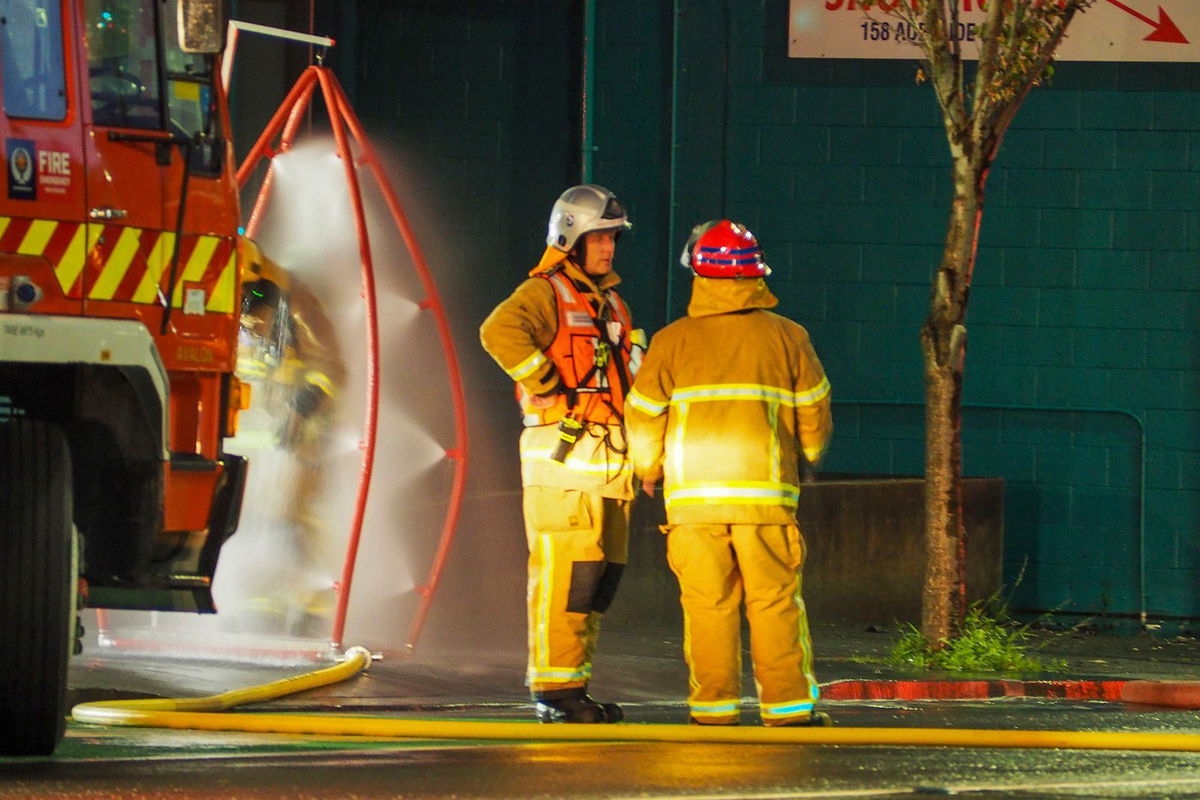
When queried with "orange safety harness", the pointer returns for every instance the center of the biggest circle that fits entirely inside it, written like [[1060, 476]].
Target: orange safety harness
[[591, 351]]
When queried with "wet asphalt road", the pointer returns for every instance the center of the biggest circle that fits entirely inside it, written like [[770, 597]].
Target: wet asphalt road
[[146, 763], [103, 762]]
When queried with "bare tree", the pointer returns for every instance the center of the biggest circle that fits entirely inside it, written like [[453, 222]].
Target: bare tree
[[1016, 46]]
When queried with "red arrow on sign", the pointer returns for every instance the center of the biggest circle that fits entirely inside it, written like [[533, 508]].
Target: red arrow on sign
[[1165, 30]]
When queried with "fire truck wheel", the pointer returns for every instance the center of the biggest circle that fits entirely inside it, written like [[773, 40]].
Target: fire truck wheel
[[37, 585]]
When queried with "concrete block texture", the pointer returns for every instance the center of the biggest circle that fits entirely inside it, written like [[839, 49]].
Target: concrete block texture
[[865, 560]]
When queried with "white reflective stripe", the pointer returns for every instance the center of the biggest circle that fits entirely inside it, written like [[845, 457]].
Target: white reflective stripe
[[622, 311], [681, 414], [580, 319], [644, 404], [744, 494], [814, 394], [635, 360], [581, 465], [252, 367], [541, 654], [320, 380], [750, 391], [563, 287], [771, 710], [732, 391], [716, 707], [773, 455], [596, 461], [559, 674], [527, 367]]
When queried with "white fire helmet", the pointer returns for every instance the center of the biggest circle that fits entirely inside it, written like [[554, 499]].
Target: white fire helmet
[[583, 209]]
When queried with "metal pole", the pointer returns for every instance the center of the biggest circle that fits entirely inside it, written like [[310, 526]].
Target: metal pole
[[673, 177], [587, 134]]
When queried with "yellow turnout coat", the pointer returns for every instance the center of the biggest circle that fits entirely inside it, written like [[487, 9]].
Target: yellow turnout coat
[[730, 397]]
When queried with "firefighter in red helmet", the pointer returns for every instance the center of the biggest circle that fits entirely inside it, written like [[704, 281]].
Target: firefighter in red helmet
[[729, 407], [567, 339]]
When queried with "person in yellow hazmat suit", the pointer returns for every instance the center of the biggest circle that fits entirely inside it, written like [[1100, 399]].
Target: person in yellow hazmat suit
[[730, 407], [288, 353], [567, 339]]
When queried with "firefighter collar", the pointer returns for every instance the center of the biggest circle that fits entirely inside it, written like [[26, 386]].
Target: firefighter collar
[[554, 259], [711, 296]]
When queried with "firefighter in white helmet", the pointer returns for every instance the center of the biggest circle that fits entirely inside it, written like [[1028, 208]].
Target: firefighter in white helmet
[[733, 404], [567, 339]]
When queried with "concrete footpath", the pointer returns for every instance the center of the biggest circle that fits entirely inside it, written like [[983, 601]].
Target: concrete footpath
[[849, 665]]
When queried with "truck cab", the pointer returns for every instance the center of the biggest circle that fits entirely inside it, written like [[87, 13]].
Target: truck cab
[[120, 280]]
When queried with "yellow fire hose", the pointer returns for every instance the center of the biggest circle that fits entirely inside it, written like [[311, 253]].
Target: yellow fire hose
[[196, 714]]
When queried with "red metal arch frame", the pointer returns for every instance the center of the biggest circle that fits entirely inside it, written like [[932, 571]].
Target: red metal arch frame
[[345, 124]]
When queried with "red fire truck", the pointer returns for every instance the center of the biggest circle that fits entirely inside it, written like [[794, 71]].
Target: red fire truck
[[120, 279]]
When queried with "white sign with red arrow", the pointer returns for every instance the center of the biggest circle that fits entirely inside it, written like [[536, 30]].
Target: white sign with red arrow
[[1111, 30]]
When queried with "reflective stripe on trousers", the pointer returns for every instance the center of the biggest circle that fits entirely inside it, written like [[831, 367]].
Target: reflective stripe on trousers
[[578, 544], [717, 566]]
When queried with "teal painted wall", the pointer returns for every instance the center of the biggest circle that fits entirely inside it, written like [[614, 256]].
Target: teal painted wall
[[1083, 320]]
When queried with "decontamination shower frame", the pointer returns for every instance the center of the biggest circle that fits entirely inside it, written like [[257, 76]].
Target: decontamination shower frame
[[286, 123]]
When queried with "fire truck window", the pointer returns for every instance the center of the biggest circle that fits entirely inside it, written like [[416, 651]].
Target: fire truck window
[[191, 100], [31, 43], [123, 63]]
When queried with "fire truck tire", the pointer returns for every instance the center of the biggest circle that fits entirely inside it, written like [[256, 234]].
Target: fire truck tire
[[37, 585]]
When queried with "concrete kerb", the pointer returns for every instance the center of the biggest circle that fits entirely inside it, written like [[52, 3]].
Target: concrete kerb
[[977, 689], [1142, 669], [1174, 694]]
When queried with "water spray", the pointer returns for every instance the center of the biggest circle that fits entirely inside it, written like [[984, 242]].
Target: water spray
[[355, 152]]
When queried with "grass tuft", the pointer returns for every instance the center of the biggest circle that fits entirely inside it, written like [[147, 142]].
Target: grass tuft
[[988, 642]]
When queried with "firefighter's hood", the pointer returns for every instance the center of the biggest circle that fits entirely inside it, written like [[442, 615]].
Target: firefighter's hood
[[553, 257], [724, 295]]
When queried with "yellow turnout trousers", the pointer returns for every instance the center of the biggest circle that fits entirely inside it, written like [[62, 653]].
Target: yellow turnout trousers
[[719, 566], [578, 546]]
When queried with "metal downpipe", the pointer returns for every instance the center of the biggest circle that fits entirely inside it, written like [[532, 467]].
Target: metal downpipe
[[673, 169], [587, 89]]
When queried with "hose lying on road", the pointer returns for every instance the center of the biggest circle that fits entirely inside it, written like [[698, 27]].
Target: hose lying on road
[[196, 714], [119, 712]]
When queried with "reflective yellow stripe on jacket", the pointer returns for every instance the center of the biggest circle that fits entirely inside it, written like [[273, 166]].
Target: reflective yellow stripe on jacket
[[746, 391], [765, 492], [527, 367], [645, 404], [596, 463], [733, 493]]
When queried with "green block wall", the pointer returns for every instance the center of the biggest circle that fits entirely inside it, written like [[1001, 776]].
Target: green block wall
[[1081, 379], [1084, 355]]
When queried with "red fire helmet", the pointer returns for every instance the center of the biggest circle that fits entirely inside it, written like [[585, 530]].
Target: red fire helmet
[[724, 249]]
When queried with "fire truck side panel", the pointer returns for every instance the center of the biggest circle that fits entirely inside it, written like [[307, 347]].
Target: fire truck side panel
[[44, 198], [92, 219]]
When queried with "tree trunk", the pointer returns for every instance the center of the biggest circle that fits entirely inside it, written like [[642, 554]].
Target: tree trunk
[[943, 344], [940, 606]]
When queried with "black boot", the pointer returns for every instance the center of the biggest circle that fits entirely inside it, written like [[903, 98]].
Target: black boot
[[818, 719], [575, 706]]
